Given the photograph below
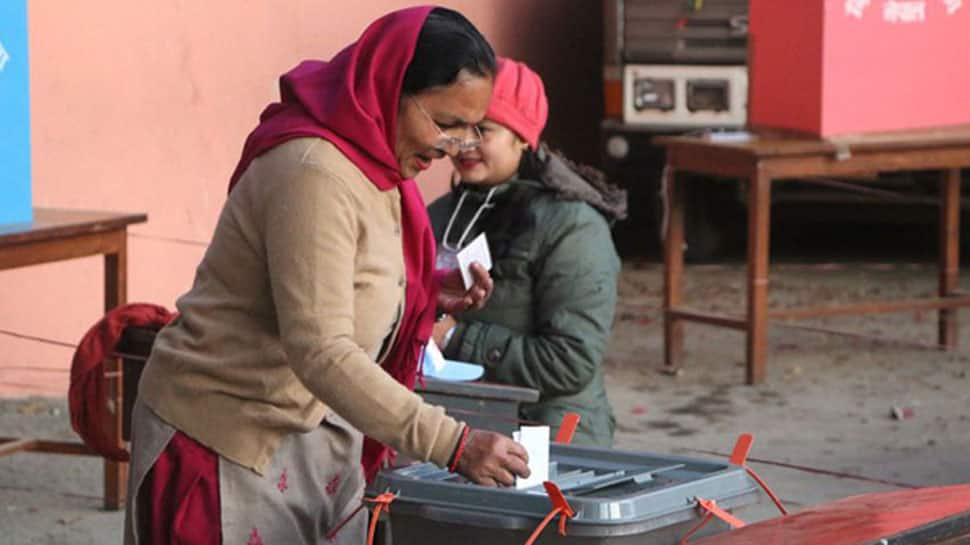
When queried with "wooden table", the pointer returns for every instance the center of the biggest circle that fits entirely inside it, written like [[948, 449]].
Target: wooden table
[[57, 235], [771, 156]]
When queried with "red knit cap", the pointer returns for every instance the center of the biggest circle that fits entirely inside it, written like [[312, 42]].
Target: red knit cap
[[519, 101]]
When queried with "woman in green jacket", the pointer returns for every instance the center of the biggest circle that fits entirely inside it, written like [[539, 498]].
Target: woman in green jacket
[[547, 221]]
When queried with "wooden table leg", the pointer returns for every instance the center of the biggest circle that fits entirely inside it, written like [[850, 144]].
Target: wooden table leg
[[673, 269], [116, 294], [949, 253], [759, 211], [12, 445]]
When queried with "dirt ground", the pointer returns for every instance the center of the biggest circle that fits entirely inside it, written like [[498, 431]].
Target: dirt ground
[[826, 405]]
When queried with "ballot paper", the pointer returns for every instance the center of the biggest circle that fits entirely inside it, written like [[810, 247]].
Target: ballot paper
[[436, 366], [535, 439], [477, 250]]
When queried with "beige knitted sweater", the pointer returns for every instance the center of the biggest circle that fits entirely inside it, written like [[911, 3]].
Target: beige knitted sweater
[[296, 299]]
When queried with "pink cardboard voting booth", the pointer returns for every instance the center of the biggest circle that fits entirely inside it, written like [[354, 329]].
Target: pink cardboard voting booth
[[838, 67]]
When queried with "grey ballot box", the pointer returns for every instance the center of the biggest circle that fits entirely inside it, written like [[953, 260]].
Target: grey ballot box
[[620, 498]]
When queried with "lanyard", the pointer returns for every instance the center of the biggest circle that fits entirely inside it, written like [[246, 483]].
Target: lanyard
[[461, 201]]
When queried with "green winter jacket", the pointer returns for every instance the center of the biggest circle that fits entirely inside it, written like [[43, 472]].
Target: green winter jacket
[[548, 321]]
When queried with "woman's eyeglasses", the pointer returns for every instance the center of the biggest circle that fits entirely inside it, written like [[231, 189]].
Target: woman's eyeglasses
[[447, 143]]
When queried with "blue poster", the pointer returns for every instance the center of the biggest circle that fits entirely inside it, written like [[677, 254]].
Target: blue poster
[[15, 198]]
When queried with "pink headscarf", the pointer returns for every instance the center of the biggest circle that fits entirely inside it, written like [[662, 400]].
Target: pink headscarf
[[352, 101]]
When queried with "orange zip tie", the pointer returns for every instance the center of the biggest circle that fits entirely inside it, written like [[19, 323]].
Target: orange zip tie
[[381, 502], [767, 490], [560, 507], [740, 457], [713, 510], [567, 428]]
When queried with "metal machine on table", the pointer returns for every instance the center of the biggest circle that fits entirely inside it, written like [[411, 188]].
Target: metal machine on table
[[671, 66], [676, 67]]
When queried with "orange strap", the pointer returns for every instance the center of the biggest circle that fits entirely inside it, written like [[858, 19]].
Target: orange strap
[[713, 510], [767, 490], [559, 507], [567, 428], [740, 457], [381, 503], [742, 448]]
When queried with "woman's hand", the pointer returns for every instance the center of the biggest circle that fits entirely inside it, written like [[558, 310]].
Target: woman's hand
[[454, 298], [492, 459], [441, 328]]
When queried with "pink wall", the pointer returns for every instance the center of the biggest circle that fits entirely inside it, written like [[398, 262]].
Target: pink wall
[[145, 109]]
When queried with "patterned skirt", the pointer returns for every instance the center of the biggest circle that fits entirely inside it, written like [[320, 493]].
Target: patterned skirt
[[313, 483]]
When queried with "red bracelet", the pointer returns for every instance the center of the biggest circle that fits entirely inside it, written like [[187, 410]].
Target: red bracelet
[[459, 449]]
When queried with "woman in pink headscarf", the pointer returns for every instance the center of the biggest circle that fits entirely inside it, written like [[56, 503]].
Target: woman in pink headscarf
[[311, 306]]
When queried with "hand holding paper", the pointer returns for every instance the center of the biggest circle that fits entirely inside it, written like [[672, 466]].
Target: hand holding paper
[[456, 295], [492, 459], [475, 252]]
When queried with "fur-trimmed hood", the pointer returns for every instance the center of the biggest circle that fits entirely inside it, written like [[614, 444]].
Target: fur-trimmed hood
[[573, 181]]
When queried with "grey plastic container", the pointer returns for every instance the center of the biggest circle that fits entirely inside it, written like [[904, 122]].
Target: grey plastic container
[[619, 498]]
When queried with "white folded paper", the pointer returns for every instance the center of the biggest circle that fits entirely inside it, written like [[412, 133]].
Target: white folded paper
[[535, 439], [477, 250]]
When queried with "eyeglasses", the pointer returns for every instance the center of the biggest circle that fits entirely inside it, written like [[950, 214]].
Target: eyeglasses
[[447, 143]]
